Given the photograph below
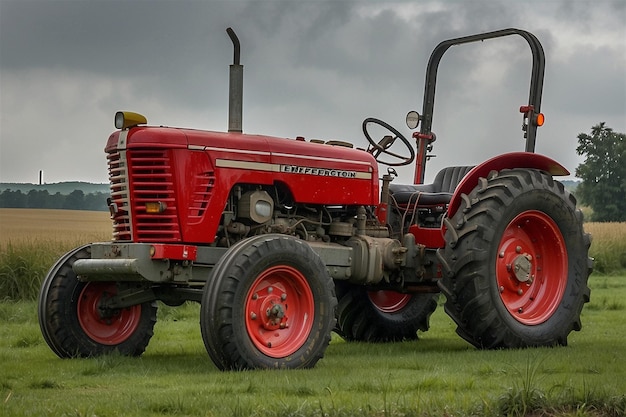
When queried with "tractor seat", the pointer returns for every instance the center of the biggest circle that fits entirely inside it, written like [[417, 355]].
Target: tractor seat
[[438, 193]]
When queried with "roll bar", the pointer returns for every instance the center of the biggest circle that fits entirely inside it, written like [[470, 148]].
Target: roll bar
[[534, 96]]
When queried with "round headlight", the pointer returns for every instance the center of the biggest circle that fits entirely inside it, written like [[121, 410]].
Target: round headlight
[[119, 120], [126, 119]]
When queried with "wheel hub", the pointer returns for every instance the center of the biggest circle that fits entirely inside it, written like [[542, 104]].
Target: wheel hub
[[106, 312], [522, 267], [270, 306]]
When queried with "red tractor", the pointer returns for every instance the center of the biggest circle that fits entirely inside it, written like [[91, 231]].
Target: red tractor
[[283, 241]]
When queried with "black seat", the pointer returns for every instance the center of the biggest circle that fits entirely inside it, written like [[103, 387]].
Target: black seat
[[438, 193]]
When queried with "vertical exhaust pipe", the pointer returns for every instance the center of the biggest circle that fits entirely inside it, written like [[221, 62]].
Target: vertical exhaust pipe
[[235, 88]]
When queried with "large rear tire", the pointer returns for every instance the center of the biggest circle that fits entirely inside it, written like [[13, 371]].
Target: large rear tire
[[516, 262], [269, 303], [382, 316], [74, 325]]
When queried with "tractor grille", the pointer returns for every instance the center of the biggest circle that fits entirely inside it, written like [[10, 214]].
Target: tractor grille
[[138, 177], [120, 198]]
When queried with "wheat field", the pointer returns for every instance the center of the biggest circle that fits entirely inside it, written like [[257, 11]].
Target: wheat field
[[58, 225]]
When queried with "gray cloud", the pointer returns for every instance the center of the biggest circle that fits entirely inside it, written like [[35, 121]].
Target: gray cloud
[[312, 68]]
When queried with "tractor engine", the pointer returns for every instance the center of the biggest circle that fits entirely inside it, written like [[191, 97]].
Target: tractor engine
[[253, 210]]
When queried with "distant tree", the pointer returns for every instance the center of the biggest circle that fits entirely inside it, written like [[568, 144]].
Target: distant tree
[[37, 199], [96, 201], [12, 199], [603, 173], [56, 200], [75, 200]]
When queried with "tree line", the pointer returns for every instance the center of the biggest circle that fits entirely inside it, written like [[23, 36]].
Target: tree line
[[76, 200]]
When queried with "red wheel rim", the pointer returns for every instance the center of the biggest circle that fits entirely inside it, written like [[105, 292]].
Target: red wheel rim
[[112, 328], [279, 311], [531, 267], [389, 301]]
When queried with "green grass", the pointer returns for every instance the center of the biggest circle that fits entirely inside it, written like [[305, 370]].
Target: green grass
[[438, 375]]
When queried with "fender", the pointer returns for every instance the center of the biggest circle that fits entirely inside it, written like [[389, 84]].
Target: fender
[[500, 162]]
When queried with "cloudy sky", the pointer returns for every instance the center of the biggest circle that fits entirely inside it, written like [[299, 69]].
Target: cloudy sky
[[311, 68]]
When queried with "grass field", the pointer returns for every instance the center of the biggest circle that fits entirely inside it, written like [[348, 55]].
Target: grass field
[[438, 375]]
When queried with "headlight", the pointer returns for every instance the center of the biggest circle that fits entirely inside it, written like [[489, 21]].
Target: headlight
[[126, 119]]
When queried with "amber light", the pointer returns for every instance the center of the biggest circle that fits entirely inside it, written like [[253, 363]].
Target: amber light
[[540, 119], [155, 207]]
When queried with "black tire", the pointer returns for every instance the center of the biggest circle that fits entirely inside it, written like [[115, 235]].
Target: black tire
[[366, 316], [516, 262], [269, 303], [70, 321]]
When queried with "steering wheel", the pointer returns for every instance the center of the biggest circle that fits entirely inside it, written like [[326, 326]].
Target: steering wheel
[[382, 147]]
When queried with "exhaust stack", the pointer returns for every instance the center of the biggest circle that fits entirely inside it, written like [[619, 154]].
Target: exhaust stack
[[235, 88]]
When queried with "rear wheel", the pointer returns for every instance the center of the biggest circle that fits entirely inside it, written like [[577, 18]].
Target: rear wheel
[[269, 304], [382, 316], [74, 322], [516, 262]]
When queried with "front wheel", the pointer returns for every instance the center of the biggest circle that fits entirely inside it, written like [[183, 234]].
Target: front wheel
[[74, 323], [516, 262], [269, 303]]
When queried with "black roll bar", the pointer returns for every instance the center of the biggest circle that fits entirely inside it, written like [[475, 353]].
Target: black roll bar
[[536, 79]]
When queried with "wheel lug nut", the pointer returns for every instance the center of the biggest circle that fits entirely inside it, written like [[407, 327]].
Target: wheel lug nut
[[283, 297], [253, 316], [255, 296], [270, 289], [520, 292], [501, 289], [518, 249]]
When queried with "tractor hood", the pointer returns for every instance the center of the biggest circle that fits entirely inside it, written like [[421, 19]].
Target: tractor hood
[[330, 173], [332, 158]]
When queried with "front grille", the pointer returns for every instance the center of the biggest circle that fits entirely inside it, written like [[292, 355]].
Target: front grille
[[151, 180], [120, 198], [138, 177]]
